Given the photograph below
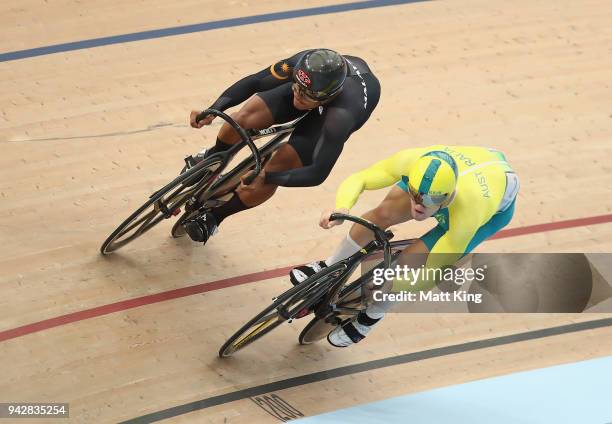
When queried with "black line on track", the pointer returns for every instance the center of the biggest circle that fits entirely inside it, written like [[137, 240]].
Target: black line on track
[[200, 27], [367, 366]]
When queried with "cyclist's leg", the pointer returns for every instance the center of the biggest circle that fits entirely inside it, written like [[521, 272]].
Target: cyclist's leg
[[255, 113], [284, 158], [206, 224], [394, 209], [269, 107], [356, 329], [415, 256], [274, 106], [260, 111], [418, 254], [294, 154], [428, 241]]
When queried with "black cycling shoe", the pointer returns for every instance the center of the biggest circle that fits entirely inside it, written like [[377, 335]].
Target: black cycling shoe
[[201, 227]]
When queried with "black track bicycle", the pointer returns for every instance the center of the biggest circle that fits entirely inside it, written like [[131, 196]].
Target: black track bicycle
[[331, 293], [203, 186]]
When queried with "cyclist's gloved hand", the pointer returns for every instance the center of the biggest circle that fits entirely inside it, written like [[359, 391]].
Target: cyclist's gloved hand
[[206, 121], [324, 221]]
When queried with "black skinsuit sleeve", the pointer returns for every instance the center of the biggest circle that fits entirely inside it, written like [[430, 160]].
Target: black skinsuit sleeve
[[266, 79], [336, 130]]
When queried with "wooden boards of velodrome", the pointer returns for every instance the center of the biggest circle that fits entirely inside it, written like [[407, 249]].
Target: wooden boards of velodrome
[[86, 135]]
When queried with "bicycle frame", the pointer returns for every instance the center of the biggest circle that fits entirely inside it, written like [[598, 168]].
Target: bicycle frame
[[396, 247], [228, 181], [337, 293], [332, 298], [326, 293], [199, 184]]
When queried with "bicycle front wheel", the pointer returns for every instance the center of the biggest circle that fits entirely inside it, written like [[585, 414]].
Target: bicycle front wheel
[[162, 204], [284, 308]]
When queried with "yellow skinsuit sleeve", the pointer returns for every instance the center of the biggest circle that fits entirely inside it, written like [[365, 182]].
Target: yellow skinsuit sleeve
[[382, 174]]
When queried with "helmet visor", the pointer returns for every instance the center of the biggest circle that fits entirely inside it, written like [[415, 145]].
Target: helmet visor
[[315, 96], [304, 93], [427, 200]]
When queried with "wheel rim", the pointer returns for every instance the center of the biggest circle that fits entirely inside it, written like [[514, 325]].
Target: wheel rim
[[283, 310], [177, 229], [153, 214], [253, 333], [148, 218], [315, 330]]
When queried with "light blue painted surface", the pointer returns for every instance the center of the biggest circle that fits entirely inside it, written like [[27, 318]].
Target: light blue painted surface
[[578, 393]]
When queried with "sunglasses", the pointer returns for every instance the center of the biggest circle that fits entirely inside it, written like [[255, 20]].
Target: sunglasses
[[427, 200]]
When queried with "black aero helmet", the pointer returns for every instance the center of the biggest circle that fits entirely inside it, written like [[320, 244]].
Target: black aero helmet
[[320, 73]]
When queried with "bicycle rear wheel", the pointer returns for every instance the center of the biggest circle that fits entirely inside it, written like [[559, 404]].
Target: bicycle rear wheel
[[162, 204], [319, 327], [177, 229], [284, 308], [349, 298]]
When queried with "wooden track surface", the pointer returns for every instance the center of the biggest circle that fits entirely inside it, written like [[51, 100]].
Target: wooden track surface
[[87, 135]]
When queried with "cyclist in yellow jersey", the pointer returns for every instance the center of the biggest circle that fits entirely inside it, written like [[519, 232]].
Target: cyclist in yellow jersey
[[471, 191]]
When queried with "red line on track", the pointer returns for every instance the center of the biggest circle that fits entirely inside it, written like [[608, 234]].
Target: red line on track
[[141, 301], [552, 226], [249, 278]]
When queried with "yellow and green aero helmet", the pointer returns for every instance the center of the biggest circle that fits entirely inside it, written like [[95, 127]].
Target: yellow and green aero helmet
[[432, 178]]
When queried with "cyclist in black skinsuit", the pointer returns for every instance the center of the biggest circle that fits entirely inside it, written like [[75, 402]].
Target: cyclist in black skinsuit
[[338, 94]]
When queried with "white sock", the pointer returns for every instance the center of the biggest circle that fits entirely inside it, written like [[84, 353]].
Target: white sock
[[343, 251]]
